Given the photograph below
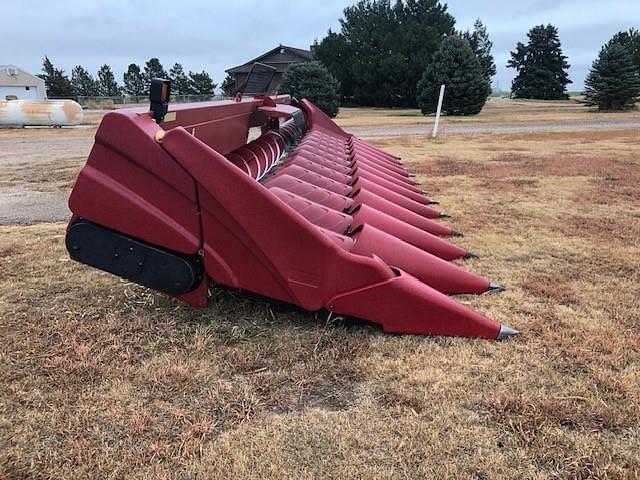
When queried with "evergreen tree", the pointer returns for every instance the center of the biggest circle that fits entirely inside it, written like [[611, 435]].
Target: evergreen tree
[[631, 41], [228, 86], [335, 53], [179, 80], [83, 83], [134, 81], [107, 82], [48, 71], [420, 27], [456, 66], [312, 80], [613, 82], [201, 83], [541, 66], [382, 50], [481, 45], [57, 83], [153, 69]]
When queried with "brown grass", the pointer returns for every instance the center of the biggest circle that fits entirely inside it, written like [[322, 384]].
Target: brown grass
[[101, 378]]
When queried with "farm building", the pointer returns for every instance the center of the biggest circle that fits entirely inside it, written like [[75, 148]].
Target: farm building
[[16, 84], [281, 58]]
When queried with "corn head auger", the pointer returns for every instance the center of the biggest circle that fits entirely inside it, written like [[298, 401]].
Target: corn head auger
[[306, 214]]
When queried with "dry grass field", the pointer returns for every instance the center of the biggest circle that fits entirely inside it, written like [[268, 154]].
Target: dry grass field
[[100, 378], [497, 110]]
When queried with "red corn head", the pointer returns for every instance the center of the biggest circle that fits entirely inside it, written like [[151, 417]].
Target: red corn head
[[307, 214]]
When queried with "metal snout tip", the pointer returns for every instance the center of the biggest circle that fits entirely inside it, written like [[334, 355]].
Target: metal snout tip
[[433, 201], [506, 332], [495, 287], [455, 233], [469, 255], [444, 215], [411, 175]]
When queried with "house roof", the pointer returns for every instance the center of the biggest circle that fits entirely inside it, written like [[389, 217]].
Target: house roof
[[307, 54], [292, 55], [25, 78], [10, 65]]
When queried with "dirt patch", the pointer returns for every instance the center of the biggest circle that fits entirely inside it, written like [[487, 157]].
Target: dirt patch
[[527, 414], [622, 186], [551, 287], [623, 229], [516, 164]]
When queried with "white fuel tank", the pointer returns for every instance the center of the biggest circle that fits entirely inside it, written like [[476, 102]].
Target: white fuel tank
[[52, 113]]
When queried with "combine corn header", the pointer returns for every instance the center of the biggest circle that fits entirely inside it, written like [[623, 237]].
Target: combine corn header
[[306, 214]]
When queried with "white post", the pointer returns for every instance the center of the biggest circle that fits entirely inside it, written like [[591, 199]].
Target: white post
[[438, 112]]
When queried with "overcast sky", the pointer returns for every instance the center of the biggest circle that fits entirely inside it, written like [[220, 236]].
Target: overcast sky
[[216, 35]]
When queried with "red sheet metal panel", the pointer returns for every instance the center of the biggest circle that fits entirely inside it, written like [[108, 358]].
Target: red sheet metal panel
[[132, 185]]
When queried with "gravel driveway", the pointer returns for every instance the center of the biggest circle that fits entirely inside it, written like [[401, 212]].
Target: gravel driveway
[[477, 128], [33, 174]]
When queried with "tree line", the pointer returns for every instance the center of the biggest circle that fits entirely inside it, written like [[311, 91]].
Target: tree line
[[398, 55], [382, 51], [136, 80], [388, 55]]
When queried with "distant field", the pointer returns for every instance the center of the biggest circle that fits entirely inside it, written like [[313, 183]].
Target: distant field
[[100, 378]]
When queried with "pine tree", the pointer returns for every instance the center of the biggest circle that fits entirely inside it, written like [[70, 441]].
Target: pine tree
[[335, 53], [153, 69], [134, 81], [201, 83], [541, 66], [481, 45], [179, 80], [382, 50], [228, 86], [48, 70], [312, 80], [107, 82], [456, 66], [631, 41], [613, 82], [57, 83], [83, 83]]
